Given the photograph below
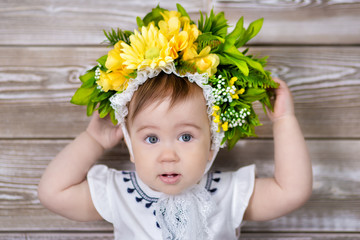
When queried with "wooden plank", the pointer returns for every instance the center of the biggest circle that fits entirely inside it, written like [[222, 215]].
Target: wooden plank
[[298, 22], [334, 206], [325, 82], [70, 236], [56, 236], [45, 22], [244, 236], [300, 236]]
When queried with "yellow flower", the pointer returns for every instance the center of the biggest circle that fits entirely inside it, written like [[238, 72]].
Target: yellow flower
[[115, 80], [232, 81], [147, 49], [114, 61], [172, 23], [204, 61], [225, 126], [192, 31], [115, 77], [177, 44], [240, 91], [216, 108], [236, 95]]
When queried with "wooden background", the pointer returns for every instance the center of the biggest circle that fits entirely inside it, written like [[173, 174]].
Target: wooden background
[[313, 45]]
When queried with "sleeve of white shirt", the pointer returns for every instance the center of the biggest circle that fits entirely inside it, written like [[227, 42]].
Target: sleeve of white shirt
[[99, 178], [244, 180]]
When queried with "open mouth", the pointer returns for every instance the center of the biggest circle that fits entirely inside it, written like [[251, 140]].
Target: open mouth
[[170, 175], [171, 178]]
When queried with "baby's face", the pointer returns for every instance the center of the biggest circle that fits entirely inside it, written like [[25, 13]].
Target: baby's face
[[171, 146]]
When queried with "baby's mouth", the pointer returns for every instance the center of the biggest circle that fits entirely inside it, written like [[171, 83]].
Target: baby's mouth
[[170, 178], [170, 175]]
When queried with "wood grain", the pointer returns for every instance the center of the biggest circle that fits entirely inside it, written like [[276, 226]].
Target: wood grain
[[300, 236], [35, 89], [298, 22], [57, 236], [314, 45], [334, 205], [45, 22], [244, 236]]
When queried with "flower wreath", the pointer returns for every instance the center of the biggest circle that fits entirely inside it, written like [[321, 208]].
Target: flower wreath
[[169, 41]]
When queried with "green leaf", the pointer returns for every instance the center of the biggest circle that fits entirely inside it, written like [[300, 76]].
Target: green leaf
[[224, 60], [252, 30], [119, 35], [104, 108], [95, 93], [88, 80], [82, 96], [239, 104], [234, 52], [90, 108], [231, 133], [112, 117], [237, 135], [154, 16], [214, 24], [253, 94], [139, 22], [254, 64], [102, 60], [87, 76], [234, 35], [207, 39], [220, 25], [102, 96], [182, 10], [240, 64]]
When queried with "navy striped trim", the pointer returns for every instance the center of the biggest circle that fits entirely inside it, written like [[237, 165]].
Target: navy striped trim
[[139, 190]]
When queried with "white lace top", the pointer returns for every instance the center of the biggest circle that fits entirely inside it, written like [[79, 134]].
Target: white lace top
[[122, 199]]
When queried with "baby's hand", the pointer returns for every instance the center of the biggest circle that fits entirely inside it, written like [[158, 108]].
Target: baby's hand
[[284, 105], [104, 131]]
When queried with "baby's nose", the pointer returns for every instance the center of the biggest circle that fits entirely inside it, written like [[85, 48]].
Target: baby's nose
[[169, 154]]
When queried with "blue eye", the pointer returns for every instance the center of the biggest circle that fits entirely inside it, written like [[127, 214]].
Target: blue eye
[[185, 138], [152, 139]]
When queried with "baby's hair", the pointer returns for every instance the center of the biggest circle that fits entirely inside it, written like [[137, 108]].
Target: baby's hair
[[160, 87]]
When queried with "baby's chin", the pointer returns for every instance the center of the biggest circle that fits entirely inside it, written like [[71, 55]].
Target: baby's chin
[[172, 190]]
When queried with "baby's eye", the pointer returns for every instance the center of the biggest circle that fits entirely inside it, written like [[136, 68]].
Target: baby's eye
[[152, 139], [185, 137]]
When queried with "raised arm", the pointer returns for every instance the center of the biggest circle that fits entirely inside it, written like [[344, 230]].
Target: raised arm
[[63, 187], [291, 185]]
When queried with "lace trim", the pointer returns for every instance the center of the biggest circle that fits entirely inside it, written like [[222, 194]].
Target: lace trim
[[120, 100], [185, 216]]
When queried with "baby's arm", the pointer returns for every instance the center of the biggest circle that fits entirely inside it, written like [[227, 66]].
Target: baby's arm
[[63, 188], [291, 186]]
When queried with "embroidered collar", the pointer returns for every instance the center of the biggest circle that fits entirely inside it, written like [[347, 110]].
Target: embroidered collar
[[143, 193]]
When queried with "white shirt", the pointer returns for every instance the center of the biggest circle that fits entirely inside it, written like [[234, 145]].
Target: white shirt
[[122, 199]]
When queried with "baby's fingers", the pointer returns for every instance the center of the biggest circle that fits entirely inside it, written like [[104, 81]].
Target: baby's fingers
[[283, 101]]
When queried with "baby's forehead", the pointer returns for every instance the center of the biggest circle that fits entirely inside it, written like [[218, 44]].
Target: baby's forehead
[[175, 95], [195, 100], [191, 109]]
